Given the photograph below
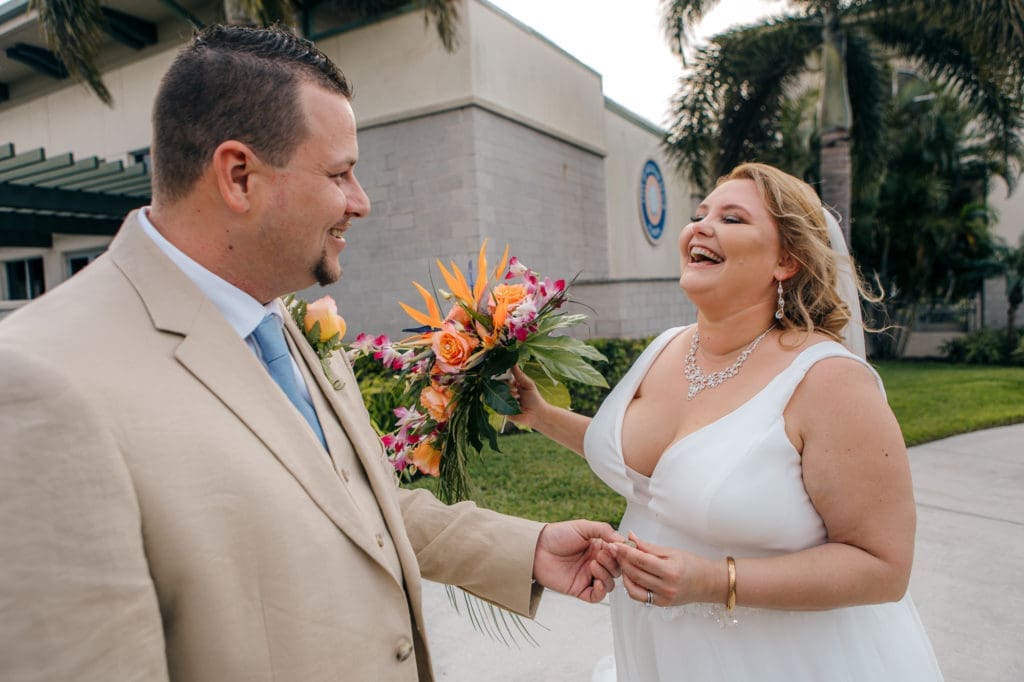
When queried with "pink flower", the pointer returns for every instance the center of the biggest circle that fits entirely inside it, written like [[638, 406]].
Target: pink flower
[[515, 268]]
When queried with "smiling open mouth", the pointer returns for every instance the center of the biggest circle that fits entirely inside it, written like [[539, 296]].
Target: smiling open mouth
[[698, 254]]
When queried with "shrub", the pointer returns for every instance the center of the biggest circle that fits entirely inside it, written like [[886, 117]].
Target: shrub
[[621, 354], [381, 392], [983, 347]]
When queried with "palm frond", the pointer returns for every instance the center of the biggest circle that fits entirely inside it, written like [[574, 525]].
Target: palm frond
[[446, 18], [991, 30], [679, 17], [73, 29], [941, 56], [260, 12], [867, 78], [443, 13], [729, 105]]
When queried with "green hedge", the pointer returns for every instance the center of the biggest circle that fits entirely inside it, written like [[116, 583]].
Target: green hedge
[[986, 347], [621, 354]]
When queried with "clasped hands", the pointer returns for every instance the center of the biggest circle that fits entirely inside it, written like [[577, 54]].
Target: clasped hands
[[583, 558]]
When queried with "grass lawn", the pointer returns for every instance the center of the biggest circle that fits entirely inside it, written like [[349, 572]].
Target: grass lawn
[[933, 400], [534, 478]]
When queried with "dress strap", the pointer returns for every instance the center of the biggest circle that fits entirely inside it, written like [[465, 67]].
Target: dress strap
[[797, 370]]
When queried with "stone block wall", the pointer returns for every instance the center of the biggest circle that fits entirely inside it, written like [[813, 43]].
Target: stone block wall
[[632, 308], [441, 183]]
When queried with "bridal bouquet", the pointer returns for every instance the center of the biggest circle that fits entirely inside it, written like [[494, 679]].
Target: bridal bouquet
[[456, 368]]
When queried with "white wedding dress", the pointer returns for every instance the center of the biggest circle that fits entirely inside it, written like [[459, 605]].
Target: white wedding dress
[[734, 487]]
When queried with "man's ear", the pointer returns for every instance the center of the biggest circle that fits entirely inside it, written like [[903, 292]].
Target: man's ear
[[234, 167], [786, 267]]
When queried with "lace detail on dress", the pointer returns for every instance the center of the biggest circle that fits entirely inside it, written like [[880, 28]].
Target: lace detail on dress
[[715, 612]]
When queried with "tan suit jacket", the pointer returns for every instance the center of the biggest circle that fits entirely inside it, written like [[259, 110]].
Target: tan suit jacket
[[165, 513]]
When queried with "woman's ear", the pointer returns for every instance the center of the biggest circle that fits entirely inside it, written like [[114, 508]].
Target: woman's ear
[[234, 165], [786, 267]]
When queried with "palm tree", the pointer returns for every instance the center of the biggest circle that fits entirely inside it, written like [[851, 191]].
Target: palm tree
[[73, 29], [730, 103]]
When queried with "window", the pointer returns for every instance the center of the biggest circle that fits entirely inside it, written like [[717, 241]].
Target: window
[[79, 259], [24, 278]]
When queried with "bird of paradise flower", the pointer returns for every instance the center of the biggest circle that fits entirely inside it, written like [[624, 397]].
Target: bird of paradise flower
[[456, 367]]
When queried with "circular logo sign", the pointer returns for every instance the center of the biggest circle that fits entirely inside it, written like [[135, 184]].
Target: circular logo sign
[[652, 201]]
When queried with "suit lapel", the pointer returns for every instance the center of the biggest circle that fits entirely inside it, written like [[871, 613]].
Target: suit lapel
[[213, 353], [347, 404]]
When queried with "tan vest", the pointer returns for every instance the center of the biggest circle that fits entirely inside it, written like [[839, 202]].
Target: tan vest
[[352, 475]]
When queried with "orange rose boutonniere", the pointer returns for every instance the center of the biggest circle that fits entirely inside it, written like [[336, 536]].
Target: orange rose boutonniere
[[323, 326]]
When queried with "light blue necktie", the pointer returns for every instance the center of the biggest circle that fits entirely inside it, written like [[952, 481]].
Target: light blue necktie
[[269, 336]]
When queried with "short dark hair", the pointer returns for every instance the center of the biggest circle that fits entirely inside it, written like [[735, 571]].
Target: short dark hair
[[233, 83]]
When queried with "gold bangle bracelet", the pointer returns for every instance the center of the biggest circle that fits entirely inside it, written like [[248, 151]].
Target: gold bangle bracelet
[[730, 601]]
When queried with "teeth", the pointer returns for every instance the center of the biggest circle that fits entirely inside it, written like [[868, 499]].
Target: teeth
[[335, 232], [699, 253]]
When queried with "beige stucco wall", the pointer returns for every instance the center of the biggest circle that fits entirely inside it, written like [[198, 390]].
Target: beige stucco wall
[[1011, 212], [630, 253], [73, 119], [400, 70]]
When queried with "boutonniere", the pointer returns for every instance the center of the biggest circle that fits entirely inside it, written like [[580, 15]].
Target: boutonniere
[[323, 327]]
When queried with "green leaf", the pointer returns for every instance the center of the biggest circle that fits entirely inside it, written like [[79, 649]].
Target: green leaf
[[498, 397], [568, 344], [313, 335], [554, 392], [499, 360], [564, 321], [563, 364], [479, 427]]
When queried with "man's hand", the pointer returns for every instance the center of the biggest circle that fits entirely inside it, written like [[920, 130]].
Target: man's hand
[[572, 558]]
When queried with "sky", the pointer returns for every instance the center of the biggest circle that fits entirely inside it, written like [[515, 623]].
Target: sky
[[628, 46]]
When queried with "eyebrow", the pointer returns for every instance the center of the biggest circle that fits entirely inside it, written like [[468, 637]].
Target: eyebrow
[[728, 207]]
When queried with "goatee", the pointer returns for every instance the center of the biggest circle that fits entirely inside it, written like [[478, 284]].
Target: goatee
[[324, 273]]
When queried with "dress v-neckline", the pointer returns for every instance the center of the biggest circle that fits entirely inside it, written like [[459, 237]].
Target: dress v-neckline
[[679, 441]]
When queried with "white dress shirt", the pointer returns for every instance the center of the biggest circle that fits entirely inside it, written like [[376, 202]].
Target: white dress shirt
[[242, 311]]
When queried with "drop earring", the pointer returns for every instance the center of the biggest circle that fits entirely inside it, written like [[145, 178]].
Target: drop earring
[[780, 312]]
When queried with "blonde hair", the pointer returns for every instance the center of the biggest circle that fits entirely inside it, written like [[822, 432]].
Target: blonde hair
[[812, 298]]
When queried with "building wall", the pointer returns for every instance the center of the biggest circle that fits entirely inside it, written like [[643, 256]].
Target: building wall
[[73, 119], [442, 183], [1009, 228], [508, 139]]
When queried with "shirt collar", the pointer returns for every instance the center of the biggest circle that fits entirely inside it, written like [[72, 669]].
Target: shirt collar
[[242, 311]]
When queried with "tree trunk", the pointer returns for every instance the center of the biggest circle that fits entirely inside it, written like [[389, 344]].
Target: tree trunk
[[1014, 297], [835, 177], [835, 120]]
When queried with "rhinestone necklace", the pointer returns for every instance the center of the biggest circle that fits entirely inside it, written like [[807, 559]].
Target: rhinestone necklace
[[695, 375]]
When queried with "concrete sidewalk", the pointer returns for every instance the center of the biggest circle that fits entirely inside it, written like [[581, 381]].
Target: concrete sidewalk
[[968, 580]]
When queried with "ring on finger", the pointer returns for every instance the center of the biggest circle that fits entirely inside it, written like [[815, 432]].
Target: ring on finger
[[650, 599]]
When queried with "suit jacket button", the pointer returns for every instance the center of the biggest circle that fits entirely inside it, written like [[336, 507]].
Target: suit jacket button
[[404, 650], [380, 539]]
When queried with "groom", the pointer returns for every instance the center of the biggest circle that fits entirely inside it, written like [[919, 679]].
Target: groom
[[175, 506]]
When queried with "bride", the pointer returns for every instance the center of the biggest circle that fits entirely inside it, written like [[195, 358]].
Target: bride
[[770, 510]]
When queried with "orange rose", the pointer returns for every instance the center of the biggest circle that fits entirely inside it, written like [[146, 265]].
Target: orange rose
[[459, 315], [509, 294], [324, 311], [504, 300], [427, 458], [435, 400], [452, 349]]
